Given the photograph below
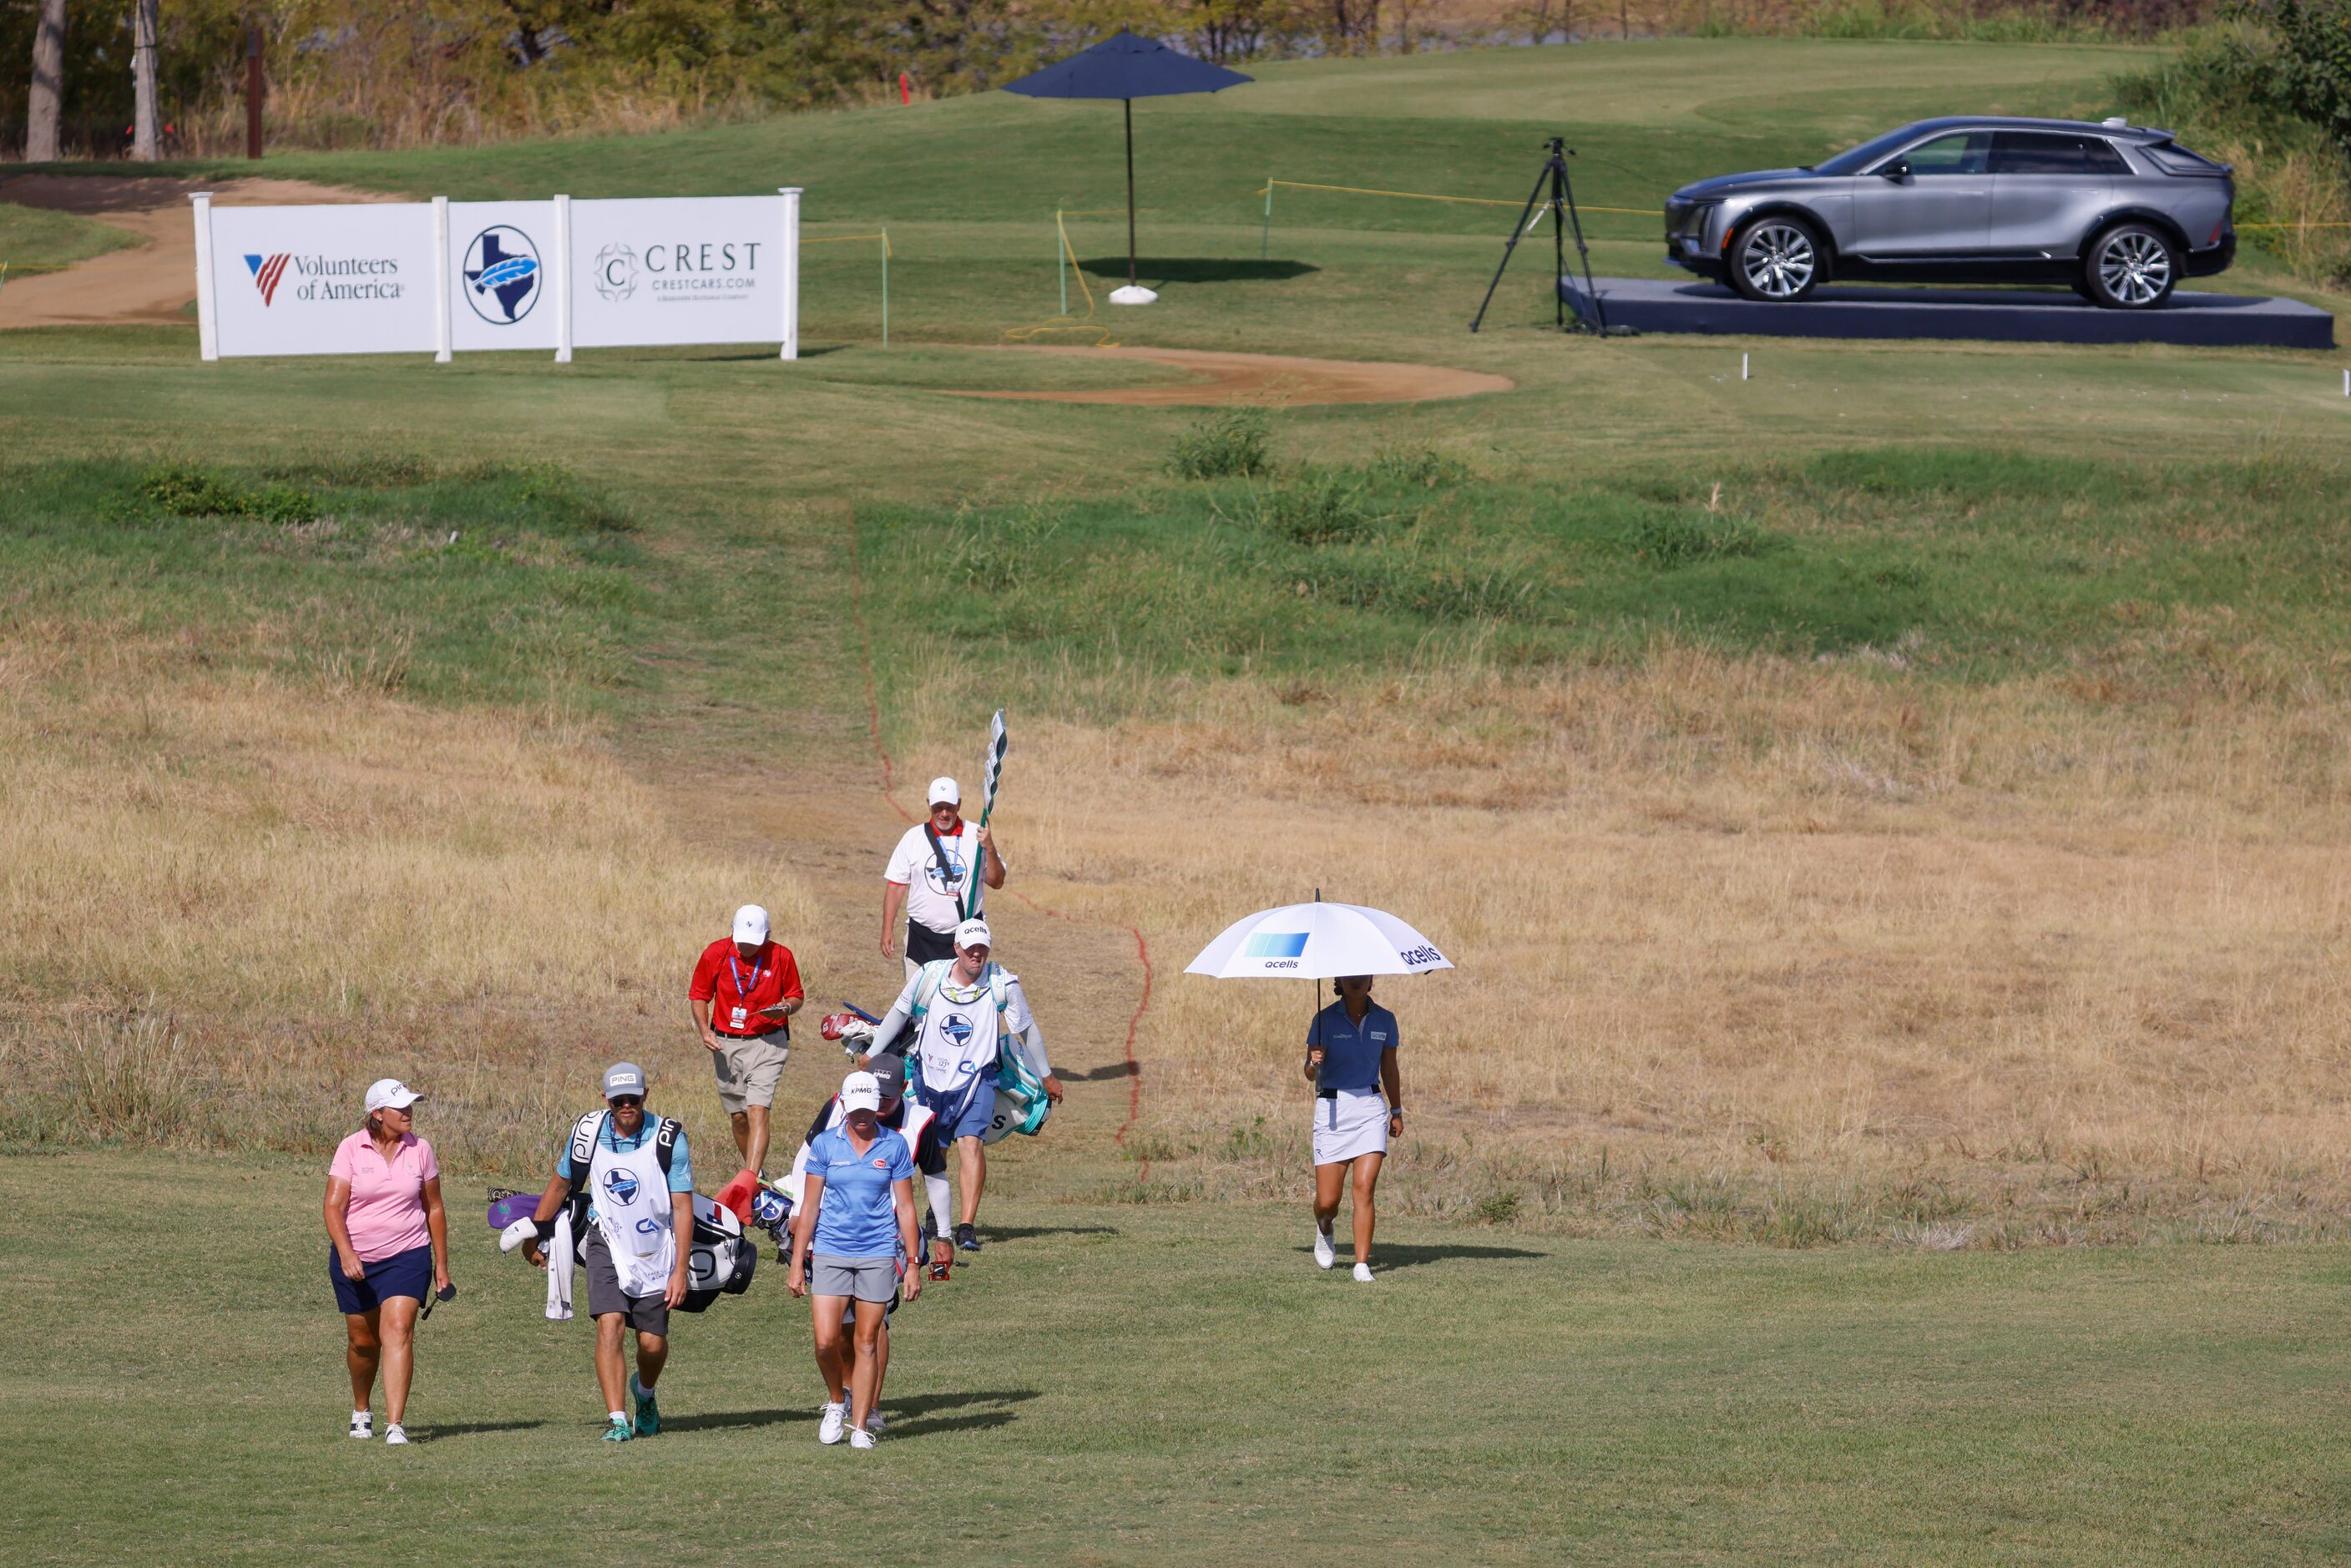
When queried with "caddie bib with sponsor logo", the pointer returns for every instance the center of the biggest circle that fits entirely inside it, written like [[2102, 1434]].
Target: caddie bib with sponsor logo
[[632, 1207], [959, 1034]]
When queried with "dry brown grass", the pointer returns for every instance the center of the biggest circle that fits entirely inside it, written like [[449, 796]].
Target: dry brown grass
[[1753, 948], [231, 900]]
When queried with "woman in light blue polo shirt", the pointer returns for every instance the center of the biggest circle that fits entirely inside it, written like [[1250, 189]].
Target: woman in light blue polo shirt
[[856, 1225], [1351, 1060]]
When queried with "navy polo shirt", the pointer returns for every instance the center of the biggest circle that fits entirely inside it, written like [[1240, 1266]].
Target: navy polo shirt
[[1351, 1050]]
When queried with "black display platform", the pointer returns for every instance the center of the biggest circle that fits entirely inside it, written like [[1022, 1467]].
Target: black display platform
[[2009, 316]]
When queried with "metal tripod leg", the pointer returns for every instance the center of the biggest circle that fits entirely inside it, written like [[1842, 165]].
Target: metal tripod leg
[[1526, 218]]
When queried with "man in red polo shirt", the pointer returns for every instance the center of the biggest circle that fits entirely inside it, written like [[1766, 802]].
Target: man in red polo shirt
[[743, 990]]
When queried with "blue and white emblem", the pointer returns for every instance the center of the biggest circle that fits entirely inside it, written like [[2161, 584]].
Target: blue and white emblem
[[621, 1184], [502, 275]]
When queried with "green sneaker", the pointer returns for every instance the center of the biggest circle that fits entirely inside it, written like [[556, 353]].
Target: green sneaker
[[617, 1430], [648, 1413]]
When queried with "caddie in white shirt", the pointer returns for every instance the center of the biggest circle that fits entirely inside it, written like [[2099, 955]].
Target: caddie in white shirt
[[939, 876], [963, 1011]]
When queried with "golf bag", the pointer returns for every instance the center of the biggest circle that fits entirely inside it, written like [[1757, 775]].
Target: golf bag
[[721, 1259], [1020, 1104]]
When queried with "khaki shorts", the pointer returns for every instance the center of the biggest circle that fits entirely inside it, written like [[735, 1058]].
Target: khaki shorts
[[749, 1070]]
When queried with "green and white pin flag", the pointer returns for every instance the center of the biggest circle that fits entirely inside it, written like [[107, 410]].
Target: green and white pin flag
[[992, 769]]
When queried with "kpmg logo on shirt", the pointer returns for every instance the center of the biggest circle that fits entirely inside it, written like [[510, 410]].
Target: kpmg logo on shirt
[[621, 1185], [956, 1027], [1275, 945]]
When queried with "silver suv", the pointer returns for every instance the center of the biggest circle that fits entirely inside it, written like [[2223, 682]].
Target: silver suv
[[2120, 212]]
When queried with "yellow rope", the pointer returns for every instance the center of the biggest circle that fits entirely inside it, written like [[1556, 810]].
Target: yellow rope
[[2345, 226], [1474, 201], [841, 239], [1064, 323]]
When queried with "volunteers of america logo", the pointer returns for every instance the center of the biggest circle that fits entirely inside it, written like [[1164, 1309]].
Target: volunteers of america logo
[[267, 270], [502, 275], [616, 271], [621, 1184]]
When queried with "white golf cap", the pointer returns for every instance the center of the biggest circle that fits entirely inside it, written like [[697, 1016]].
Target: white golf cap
[[861, 1092], [946, 792], [973, 933], [750, 924], [391, 1094]]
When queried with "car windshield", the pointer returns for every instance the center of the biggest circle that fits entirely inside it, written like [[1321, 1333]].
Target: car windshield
[[1853, 161]]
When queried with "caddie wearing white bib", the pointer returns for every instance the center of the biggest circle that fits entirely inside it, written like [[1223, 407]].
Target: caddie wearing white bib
[[638, 1181], [964, 1012]]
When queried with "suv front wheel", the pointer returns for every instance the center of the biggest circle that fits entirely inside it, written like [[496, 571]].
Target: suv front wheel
[[1776, 258], [2130, 267]]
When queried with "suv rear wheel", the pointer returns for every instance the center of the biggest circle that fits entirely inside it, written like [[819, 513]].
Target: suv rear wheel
[[1776, 258], [2130, 267]]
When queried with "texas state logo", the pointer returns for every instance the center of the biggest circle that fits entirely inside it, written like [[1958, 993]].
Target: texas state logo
[[502, 275], [267, 270]]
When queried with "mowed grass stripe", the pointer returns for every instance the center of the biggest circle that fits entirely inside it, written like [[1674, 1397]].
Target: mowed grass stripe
[[1503, 1398]]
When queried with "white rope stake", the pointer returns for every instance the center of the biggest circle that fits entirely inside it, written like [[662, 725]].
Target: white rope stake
[[1742, 370]]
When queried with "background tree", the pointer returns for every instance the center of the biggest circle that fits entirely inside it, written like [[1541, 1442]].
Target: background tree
[[46, 102]]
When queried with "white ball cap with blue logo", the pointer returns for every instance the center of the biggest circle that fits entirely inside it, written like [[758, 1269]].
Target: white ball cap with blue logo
[[751, 924], [973, 933], [945, 791], [624, 1078]]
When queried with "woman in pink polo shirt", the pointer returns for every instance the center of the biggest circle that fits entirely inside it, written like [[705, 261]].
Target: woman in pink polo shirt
[[391, 1246]]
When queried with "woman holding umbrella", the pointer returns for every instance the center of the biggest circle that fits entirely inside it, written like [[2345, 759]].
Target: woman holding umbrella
[[1351, 1060]]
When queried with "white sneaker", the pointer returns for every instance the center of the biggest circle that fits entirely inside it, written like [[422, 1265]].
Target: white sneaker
[[362, 1424], [836, 1417], [1323, 1256], [860, 1439], [873, 1422], [395, 1435], [1362, 1274]]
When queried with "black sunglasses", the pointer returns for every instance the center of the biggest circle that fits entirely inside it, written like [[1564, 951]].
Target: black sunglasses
[[627, 1100]]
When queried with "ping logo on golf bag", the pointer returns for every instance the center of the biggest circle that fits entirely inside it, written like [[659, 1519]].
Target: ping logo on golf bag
[[956, 1027], [621, 1184]]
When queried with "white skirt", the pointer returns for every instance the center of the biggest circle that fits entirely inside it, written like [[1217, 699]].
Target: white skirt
[[1352, 1122]]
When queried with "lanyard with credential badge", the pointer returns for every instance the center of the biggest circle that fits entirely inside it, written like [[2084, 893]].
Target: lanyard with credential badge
[[742, 991]]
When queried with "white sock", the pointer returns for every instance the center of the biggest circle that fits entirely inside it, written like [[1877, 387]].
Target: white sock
[[621, 1417]]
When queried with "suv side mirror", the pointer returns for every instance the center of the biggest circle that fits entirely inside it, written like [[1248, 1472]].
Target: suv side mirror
[[1898, 171]]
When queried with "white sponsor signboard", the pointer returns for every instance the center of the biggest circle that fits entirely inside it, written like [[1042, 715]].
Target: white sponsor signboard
[[501, 278], [315, 280], [447, 277], [717, 270]]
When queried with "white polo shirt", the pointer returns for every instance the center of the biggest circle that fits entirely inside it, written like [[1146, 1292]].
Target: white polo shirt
[[935, 889]]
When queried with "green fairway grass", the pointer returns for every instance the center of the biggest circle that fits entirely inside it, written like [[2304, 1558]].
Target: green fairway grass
[[33, 239], [1114, 1385]]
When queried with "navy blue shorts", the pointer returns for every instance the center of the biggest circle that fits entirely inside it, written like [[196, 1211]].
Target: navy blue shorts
[[408, 1273], [963, 1112]]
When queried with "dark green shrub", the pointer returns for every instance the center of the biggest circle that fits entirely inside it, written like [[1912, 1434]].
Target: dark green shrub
[[1230, 443]]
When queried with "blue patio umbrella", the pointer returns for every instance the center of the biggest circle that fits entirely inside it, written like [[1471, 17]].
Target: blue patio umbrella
[[1126, 67]]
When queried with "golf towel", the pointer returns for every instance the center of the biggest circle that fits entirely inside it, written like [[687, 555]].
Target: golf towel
[[559, 1260]]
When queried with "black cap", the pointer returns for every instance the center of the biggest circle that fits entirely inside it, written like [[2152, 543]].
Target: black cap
[[890, 1074]]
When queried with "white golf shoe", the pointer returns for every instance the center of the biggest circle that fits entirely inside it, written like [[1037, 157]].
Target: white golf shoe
[[1362, 1274], [362, 1424], [860, 1439], [836, 1420], [395, 1435], [1323, 1256]]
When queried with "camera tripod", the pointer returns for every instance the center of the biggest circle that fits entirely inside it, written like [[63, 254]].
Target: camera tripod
[[1560, 204]]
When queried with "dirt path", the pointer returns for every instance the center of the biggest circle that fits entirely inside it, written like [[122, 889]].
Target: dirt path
[[1285, 378], [152, 281]]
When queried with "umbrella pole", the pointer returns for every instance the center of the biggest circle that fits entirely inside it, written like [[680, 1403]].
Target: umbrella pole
[[1130, 191]]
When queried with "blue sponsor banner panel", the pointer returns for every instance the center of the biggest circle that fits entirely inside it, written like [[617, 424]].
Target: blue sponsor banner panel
[[356, 279], [501, 277]]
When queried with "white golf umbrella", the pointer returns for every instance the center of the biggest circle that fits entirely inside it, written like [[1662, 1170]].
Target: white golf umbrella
[[1317, 941]]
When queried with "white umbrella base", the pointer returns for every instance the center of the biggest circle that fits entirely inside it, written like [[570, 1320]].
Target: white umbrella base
[[1131, 294]]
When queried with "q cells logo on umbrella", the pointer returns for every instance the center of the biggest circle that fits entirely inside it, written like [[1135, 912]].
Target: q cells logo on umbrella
[[1275, 945], [502, 275]]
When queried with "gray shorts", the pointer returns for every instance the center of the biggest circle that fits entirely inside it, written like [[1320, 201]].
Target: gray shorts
[[646, 1314], [866, 1279], [749, 1070]]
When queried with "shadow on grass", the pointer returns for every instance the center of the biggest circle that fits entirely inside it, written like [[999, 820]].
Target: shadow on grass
[[1116, 1070], [1158, 270], [1024, 1232], [718, 1420], [921, 1416], [1390, 1255], [437, 1430]]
